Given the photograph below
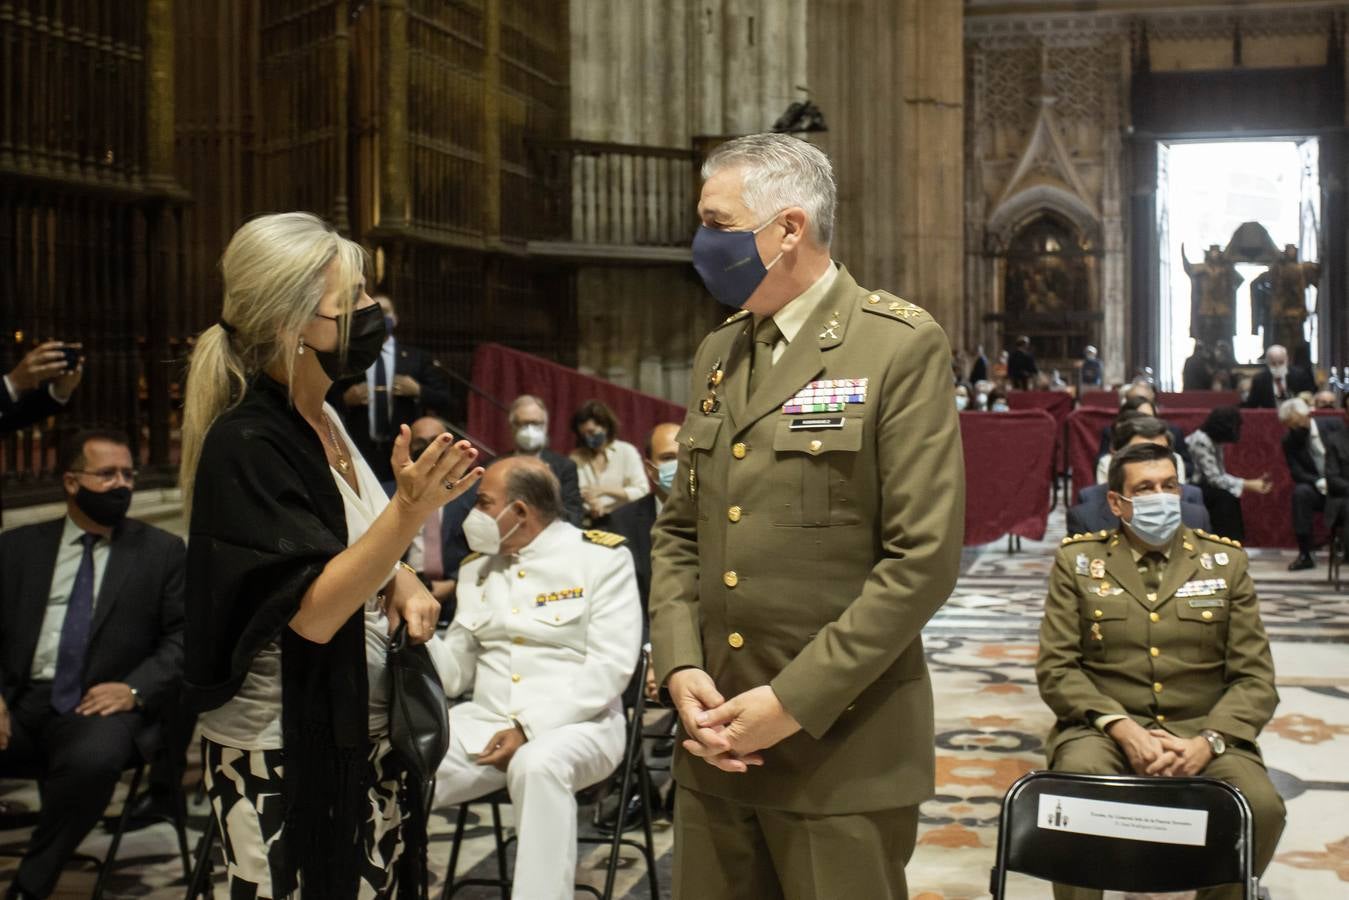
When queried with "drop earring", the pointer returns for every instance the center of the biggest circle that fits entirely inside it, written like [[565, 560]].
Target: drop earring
[[300, 350]]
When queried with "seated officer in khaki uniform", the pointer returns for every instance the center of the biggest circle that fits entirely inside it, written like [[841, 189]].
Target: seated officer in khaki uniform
[[1152, 653]]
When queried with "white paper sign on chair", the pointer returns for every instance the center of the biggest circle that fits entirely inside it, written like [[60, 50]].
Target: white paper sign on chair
[[1130, 821]]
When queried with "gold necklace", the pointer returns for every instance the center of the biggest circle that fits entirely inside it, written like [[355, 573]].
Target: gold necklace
[[342, 464]]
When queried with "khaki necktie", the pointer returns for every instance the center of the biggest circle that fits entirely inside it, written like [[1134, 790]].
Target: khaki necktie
[[1151, 567], [766, 336]]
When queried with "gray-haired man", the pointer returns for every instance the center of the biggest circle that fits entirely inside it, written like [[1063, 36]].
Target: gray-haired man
[[813, 527]]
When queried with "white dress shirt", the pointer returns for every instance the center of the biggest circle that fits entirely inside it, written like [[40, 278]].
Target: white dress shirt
[[58, 597]]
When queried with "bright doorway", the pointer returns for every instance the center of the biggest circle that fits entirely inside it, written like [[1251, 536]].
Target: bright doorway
[[1206, 191]]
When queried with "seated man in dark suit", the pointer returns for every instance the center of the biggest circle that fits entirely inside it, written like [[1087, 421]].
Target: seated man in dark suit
[[38, 387], [403, 385], [1304, 447], [91, 644], [1337, 481], [1278, 381]]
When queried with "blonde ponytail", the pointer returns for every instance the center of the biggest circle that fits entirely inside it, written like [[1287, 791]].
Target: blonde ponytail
[[275, 271]]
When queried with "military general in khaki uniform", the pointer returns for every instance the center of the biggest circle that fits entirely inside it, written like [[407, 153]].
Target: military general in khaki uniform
[[814, 527], [1152, 653]]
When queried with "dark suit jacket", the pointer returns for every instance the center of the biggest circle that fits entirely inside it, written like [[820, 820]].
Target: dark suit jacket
[[1178, 445], [1262, 387], [1092, 513], [1337, 475], [453, 544], [137, 634], [435, 398], [634, 521], [32, 406], [1298, 452]]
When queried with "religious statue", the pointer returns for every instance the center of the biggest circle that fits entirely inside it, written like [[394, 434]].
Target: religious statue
[[1213, 295], [1279, 300]]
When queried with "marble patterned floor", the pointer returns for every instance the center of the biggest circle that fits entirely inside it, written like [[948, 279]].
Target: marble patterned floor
[[981, 648]]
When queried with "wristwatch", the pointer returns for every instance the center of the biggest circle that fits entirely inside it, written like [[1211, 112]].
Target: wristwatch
[[136, 697], [1216, 742]]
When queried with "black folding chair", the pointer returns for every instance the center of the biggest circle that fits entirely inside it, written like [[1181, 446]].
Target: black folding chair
[[632, 766], [105, 865], [1039, 846]]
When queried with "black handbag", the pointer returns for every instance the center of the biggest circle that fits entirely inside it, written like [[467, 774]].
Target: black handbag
[[419, 714]]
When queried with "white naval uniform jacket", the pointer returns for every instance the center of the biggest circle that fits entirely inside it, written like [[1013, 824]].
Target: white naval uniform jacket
[[546, 637]]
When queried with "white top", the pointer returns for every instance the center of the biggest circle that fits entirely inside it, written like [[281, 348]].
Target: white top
[[624, 472], [251, 719], [547, 637], [68, 558]]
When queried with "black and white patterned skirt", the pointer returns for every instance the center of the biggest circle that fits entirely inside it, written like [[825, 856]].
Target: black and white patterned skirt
[[245, 791]]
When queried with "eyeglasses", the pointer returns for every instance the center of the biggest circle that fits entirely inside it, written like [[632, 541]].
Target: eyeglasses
[[109, 475]]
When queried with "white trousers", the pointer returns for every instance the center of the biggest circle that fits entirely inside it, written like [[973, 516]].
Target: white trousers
[[542, 779]]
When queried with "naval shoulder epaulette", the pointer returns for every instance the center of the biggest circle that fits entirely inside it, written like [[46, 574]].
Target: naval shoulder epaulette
[[891, 307], [470, 558], [1218, 539], [604, 538], [1089, 536], [733, 317]]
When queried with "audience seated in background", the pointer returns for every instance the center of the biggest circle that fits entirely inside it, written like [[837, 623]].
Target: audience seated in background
[[23, 399], [1305, 446], [963, 393], [997, 400], [528, 418], [1277, 381], [403, 385], [91, 648], [1222, 490], [634, 520], [1174, 676], [1139, 397], [1324, 400], [1136, 427], [1337, 482], [982, 390], [546, 636], [609, 470]]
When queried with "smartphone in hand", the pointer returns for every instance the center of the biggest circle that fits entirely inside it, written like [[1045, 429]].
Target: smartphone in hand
[[72, 355]]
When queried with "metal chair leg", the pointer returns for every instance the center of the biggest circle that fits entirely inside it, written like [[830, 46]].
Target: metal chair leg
[[460, 824], [111, 858], [499, 833], [649, 850], [198, 884]]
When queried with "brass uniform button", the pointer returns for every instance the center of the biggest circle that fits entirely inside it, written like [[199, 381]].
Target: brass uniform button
[[690, 440], [516, 678], [874, 299], [816, 446], [1156, 687], [1206, 614], [1097, 613], [730, 579], [517, 640], [734, 513], [515, 612], [736, 640], [739, 451], [1154, 617], [1161, 719], [1155, 652], [520, 574]]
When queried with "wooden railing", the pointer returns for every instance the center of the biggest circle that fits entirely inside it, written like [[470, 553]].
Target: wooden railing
[[614, 194]]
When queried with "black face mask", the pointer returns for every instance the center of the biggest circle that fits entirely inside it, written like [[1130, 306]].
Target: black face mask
[[365, 340], [107, 508]]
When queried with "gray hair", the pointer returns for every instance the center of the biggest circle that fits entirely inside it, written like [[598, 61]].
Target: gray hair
[[525, 400], [538, 488], [1292, 407], [781, 171]]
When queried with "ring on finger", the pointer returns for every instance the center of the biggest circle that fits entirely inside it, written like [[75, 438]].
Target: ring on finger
[[451, 483]]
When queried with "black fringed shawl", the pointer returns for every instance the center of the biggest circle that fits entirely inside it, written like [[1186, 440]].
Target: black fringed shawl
[[266, 519]]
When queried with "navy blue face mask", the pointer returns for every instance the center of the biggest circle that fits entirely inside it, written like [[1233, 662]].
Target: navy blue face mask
[[728, 263]]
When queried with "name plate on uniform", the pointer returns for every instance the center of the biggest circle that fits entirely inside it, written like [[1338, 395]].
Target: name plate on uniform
[[1130, 821], [824, 424], [1211, 603]]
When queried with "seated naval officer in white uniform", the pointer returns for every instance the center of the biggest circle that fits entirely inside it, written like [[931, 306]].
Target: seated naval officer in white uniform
[[546, 636]]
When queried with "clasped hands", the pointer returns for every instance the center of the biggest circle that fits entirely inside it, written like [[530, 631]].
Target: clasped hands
[[1158, 752], [728, 734]]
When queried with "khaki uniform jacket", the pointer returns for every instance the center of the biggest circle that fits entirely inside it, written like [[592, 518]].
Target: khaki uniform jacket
[[807, 550], [1197, 658]]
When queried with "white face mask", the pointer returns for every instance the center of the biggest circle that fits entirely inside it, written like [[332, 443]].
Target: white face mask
[[530, 438], [483, 534], [1279, 371], [961, 402]]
